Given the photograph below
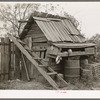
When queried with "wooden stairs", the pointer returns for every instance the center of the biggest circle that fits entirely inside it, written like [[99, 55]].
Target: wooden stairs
[[37, 62]]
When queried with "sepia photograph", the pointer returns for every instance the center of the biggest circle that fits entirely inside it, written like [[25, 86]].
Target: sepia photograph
[[50, 46]]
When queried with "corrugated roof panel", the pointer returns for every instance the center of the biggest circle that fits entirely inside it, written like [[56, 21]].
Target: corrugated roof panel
[[82, 38], [44, 31], [70, 27], [65, 24], [57, 29], [78, 39], [62, 30], [54, 30], [74, 40], [73, 28]]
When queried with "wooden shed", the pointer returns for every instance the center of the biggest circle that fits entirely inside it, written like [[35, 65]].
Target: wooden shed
[[57, 42]]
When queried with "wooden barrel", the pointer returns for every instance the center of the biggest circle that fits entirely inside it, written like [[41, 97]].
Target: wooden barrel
[[72, 70]]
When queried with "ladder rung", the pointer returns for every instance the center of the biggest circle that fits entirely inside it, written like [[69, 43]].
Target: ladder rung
[[54, 73], [42, 65]]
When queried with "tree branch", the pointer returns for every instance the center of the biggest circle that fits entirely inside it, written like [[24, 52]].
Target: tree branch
[[8, 19], [25, 11]]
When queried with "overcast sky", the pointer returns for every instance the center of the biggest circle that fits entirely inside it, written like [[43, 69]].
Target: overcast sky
[[88, 14]]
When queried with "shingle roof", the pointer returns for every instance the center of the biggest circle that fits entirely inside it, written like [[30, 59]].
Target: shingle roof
[[57, 29]]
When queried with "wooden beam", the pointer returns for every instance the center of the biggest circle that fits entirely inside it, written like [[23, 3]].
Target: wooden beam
[[73, 54], [30, 58], [27, 74]]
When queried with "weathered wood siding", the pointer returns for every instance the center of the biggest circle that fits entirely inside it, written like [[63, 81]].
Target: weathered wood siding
[[36, 34], [36, 41], [4, 58]]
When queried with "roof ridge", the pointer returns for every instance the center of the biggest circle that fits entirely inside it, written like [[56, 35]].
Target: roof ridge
[[47, 15]]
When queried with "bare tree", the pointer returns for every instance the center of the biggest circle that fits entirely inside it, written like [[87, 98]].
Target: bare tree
[[11, 14]]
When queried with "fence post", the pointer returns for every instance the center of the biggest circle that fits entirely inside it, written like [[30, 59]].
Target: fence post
[[2, 59], [17, 63], [6, 58]]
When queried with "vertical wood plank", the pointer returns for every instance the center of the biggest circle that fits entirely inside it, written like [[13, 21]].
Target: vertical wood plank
[[23, 73], [32, 71], [9, 54], [6, 55], [30, 42], [17, 63], [27, 73], [32, 66], [11, 67], [2, 60], [12, 56], [28, 66]]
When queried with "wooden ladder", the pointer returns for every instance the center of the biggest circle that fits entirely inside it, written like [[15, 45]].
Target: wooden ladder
[[33, 57]]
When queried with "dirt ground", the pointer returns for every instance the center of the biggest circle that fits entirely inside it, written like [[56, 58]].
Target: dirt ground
[[34, 85]]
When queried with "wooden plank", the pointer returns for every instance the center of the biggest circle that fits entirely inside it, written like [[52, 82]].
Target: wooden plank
[[30, 42], [74, 45], [48, 78], [2, 60], [40, 50], [32, 71], [55, 25], [12, 55], [52, 31], [38, 36], [42, 54], [54, 19], [38, 23], [41, 39], [64, 32], [40, 44], [41, 19], [73, 54], [45, 31], [27, 74], [17, 63], [56, 32], [10, 72], [37, 52], [6, 52]]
